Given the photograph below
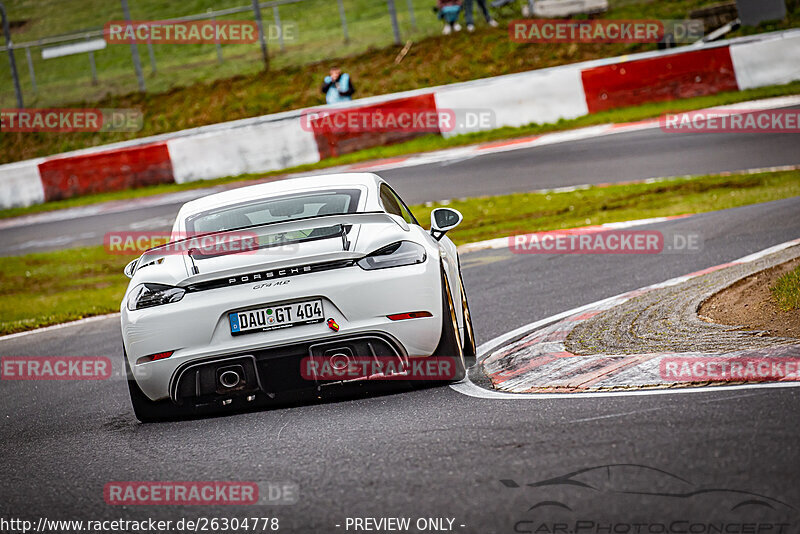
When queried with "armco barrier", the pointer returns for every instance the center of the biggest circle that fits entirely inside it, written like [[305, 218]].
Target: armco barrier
[[113, 170], [697, 73], [332, 142], [542, 97], [767, 62], [251, 148], [21, 184], [280, 141]]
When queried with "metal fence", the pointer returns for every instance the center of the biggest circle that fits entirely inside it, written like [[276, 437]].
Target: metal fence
[[80, 66]]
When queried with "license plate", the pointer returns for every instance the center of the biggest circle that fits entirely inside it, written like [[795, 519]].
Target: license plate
[[272, 317]]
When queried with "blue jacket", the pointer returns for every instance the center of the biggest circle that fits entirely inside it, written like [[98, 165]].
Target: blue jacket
[[337, 92]]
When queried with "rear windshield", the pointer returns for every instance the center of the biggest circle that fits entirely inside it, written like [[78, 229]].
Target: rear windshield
[[273, 210]]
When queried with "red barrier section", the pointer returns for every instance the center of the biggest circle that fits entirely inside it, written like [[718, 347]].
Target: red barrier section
[[332, 141], [113, 170], [685, 75]]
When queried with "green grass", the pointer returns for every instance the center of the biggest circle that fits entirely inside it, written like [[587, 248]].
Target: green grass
[[786, 291], [53, 287], [190, 89], [432, 142]]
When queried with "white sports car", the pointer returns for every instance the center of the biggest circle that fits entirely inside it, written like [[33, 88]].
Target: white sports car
[[261, 280]]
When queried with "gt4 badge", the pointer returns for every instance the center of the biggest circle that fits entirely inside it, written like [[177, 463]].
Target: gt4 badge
[[333, 325]]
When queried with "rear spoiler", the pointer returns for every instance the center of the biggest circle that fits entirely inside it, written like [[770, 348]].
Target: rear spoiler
[[343, 221]]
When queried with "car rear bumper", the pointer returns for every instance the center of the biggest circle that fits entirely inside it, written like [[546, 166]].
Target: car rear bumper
[[197, 329]]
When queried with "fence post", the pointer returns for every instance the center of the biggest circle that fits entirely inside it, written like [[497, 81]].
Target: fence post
[[92, 65], [395, 27], [216, 41], [152, 55], [277, 17], [137, 64], [260, 25], [344, 21], [10, 47], [411, 14], [30, 69]]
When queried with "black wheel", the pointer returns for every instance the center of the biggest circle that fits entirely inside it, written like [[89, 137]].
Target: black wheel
[[470, 352], [147, 411], [449, 342]]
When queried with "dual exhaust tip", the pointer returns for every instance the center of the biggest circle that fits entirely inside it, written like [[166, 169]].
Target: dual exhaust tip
[[339, 361], [230, 377]]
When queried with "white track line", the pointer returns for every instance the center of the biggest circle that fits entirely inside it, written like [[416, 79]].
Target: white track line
[[468, 388]]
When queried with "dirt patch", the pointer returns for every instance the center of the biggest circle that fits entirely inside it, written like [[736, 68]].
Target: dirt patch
[[748, 303]]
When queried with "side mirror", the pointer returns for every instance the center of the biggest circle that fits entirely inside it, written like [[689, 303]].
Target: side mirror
[[444, 220], [131, 268]]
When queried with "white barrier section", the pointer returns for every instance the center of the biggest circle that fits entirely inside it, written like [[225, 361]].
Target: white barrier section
[[768, 62], [516, 100], [21, 184], [255, 148]]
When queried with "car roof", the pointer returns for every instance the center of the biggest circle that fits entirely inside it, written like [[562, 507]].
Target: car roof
[[280, 187]]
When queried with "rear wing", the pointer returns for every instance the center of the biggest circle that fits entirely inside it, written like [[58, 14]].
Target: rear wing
[[270, 235]]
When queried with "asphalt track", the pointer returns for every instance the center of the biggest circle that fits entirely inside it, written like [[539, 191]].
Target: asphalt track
[[636, 155], [435, 452]]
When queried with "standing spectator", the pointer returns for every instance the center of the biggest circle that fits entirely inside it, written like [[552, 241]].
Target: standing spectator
[[337, 87], [449, 10], [471, 21]]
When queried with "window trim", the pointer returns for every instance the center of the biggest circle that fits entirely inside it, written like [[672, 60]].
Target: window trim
[[400, 203]]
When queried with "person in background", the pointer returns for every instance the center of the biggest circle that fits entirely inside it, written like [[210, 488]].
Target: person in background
[[448, 11], [337, 87], [468, 18]]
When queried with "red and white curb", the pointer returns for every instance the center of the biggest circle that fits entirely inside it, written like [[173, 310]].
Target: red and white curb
[[538, 349]]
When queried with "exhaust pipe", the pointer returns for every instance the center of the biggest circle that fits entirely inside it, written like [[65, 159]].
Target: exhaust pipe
[[339, 361], [229, 379]]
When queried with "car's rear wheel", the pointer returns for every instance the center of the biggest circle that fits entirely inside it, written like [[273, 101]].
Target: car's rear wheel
[[470, 352], [449, 342], [146, 410]]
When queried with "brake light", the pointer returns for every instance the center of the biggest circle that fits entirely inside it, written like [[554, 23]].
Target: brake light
[[154, 357], [409, 315]]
